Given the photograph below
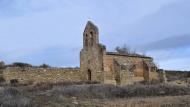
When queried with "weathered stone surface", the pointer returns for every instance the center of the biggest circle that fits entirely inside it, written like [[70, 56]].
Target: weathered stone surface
[[112, 68], [162, 75]]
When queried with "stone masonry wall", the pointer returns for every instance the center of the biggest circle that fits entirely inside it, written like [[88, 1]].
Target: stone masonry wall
[[91, 60], [109, 74], [109, 69], [38, 75]]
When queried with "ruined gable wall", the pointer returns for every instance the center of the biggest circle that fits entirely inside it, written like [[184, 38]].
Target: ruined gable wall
[[38, 75], [127, 79], [109, 73]]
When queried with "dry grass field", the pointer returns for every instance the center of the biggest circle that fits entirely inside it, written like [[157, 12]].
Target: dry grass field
[[86, 94]]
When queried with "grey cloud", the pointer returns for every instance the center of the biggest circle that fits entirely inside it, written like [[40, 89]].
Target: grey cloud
[[171, 19], [172, 42]]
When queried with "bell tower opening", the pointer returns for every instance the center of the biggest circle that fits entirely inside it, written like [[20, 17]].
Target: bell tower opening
[[86, 41]]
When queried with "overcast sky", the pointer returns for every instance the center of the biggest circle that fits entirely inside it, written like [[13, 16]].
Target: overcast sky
[[50, 31]]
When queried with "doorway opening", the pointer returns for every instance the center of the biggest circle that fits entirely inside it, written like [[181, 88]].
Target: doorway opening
[[89, 75]]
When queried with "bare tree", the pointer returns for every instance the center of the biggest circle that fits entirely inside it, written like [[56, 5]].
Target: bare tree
[[44, 66], [123, 50]]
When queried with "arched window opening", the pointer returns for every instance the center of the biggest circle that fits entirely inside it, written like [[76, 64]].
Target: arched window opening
[[91, 33], [91, 38], [86, 40]]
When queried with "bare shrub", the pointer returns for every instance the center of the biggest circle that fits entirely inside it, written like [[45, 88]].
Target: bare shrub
[[14, 82], [2, 79], [44, 66], [111, 91], [11, 97], [46, 85], [123, 50]]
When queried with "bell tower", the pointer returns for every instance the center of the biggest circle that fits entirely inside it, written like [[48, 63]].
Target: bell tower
[[91, 56], [90, 36]]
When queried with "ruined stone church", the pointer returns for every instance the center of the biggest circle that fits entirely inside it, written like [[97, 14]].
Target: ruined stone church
[[96, 64]]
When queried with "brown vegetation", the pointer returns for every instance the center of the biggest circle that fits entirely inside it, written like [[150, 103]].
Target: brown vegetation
[[12, 97], [88, 94], [176, 75], [112, 92]]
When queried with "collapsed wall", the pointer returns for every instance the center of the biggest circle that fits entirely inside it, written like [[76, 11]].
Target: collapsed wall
[[37, 75]]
